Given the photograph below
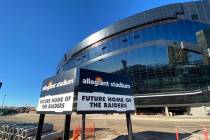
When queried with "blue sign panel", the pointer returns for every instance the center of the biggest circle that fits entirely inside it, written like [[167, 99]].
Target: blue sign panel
[[100, 92], [57, 93]]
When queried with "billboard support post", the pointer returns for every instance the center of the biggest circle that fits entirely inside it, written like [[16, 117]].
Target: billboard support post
[[40, 126], [67, 127], [129, 126], [83, 127]]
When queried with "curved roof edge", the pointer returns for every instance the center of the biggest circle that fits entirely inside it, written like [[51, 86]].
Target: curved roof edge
[[176, 10], [129, 22]]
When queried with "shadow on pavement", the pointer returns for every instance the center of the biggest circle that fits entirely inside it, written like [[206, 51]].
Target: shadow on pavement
[[153, 135], [99, 129]]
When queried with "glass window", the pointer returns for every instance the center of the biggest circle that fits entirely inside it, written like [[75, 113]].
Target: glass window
[[194, 17], [155, 68]]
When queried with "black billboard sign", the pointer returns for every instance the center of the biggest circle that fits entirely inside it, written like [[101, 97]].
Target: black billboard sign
[[57, 94], [100, 92]]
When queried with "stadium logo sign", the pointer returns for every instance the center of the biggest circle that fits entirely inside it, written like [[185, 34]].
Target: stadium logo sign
[[52, 85], [99, 82]]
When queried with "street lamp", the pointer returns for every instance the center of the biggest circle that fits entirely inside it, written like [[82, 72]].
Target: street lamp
[[3, 100]]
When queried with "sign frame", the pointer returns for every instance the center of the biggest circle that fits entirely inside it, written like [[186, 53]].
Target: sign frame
[[76, 91]]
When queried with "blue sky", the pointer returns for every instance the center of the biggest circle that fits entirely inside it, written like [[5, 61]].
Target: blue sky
[[34, 35]]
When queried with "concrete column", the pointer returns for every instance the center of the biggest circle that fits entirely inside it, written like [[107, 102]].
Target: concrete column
[[198, 111], [166, 111], [204, 109]]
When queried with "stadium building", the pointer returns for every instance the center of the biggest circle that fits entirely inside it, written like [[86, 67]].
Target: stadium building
[[165, 50]]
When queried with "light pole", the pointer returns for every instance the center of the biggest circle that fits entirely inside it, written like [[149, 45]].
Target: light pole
[[3, 100]]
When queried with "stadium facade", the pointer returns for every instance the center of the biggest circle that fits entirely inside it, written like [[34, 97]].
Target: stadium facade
[[166, 52]]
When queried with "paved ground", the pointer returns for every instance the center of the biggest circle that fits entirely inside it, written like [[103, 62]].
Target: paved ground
[[144, 127]]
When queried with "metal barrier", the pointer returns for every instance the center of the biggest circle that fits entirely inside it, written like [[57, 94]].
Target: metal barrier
[[200, 132], [89, 132], [76, 133]]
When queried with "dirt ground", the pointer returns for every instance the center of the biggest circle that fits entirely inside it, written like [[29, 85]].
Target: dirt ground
[[113, 127]]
